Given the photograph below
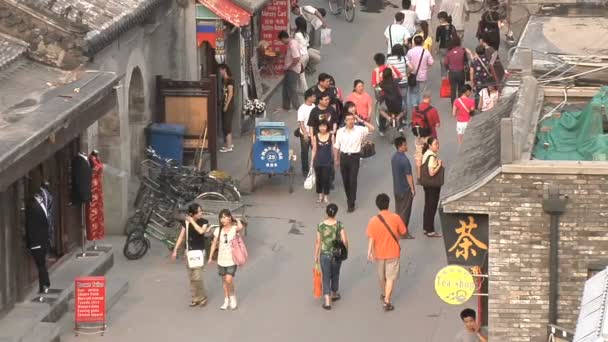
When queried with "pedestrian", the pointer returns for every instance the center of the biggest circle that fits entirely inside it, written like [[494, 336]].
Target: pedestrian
[[380, 60], [322, 111], [347, 154], [488, 28], [227, 107], [323, 87], [421, 60], [314, 16], [350, 107], [336, 99], [222, 241], [301, 36], [362, 100], [424, 9], [403, 183], [383, 231], [461, 110], [458, 10], [472, 332], [396, 33], [38, 228], [328, 231], [410, 18], [303, 116], [431, 160], [480, 75], [488, 98], [399, 61], [494, 63], [444, 35], [391, 110], [424, 33], [456, 61], [293, 67], [322, 160], [193, 232]]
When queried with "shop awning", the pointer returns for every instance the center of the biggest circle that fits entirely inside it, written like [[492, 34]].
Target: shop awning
[[228, 11]]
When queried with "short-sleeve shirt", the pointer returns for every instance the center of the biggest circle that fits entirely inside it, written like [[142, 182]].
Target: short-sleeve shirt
[[293, 52], [350, 140], [317, 115], [402, 168], [413, 55], [385, 246], [400, 63], [224, 245], [463, 106], [362, 103], [423, 8], [410, 19], [481, 68], [377, 74], [328, 233], [196, 240], [397, 35], [304, 113], [469, 336], [456, 59], [321, 93], [432, 162], [309, 13]]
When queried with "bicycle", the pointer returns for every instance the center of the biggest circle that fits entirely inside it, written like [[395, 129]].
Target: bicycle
[[336, 6]]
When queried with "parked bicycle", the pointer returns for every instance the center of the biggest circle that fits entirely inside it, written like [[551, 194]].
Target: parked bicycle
[[345, 6]]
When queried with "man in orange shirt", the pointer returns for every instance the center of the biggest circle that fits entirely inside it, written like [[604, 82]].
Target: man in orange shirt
[[383, 232]]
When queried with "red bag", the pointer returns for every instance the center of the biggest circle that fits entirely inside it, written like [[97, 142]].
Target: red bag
[[317, 283], [446, 89]]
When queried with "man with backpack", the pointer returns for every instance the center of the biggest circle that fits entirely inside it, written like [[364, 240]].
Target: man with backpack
[[425, 121]]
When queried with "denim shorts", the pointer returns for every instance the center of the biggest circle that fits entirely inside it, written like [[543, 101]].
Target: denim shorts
[[230, 270]]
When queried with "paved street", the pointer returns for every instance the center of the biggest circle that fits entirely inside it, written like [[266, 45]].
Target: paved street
[[275, 287]]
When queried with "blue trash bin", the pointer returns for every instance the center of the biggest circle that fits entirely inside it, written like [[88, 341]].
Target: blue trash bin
[[167, 140]]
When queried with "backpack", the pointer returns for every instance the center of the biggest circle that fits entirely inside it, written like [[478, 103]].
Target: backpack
[[420, 122]]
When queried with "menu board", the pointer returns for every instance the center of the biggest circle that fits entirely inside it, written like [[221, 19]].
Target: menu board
[[274, 19], [90, 299]]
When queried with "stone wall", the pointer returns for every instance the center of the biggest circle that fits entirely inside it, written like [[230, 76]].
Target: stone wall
[[519, 248]]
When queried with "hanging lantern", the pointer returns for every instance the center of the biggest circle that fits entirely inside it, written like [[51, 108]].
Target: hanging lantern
[[220, 48]]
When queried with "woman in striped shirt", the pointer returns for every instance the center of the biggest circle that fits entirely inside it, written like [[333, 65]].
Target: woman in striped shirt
[[399, 61]]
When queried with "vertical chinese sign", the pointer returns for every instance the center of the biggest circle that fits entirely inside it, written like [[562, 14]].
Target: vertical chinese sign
[[90, 304], [274, 19]]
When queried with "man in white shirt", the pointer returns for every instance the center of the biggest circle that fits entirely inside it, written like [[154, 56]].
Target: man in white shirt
[[459, 10], [348, 152], [396, 33], [303, 115], [410, 18], [424, 9]]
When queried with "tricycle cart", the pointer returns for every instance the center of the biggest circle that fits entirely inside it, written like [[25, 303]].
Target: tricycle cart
[[270, 153]]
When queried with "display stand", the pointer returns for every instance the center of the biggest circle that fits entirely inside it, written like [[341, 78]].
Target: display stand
[[84, 253], [90, 306]]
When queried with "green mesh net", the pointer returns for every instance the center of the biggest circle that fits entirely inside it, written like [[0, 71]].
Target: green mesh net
[[574, 135]]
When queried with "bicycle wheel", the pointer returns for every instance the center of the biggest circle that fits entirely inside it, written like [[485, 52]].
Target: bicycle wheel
[[135, 222], [475, 5], [212, 196], [349, 10], [136, 245], [334, 7]]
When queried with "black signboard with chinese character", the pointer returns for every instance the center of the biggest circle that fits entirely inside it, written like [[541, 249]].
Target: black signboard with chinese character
[[465, 237]]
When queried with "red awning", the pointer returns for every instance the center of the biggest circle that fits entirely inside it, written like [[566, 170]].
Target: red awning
[[228, 11]]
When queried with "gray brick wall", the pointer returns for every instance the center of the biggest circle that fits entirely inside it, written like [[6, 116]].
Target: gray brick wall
[[519, 248]]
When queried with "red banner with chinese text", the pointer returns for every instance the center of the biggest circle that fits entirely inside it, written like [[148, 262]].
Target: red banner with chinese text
[[274, 19], [90, 299]]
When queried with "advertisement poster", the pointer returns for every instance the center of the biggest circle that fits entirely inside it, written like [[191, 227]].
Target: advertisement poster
[[274, 19], [90, 300]]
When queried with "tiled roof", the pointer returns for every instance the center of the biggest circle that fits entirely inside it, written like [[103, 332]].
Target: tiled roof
[[10, 49]]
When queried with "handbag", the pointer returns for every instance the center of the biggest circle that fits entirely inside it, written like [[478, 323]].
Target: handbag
[[326, 36], [196, 258], [411, 78], [239, 250], [368, 149], [339, 251], [310, 181], [297, 133], [428, 181], [390, 231]]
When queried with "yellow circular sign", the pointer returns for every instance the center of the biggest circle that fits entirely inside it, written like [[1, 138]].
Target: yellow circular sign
[[454, 284]]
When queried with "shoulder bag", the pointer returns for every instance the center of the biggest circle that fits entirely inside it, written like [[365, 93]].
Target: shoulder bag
[[428, 181], [339, 251], [390, 231], [239, 250], [196, 258], [411, 78]]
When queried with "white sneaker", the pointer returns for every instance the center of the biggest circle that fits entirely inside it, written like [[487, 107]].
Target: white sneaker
[[233, 302], [226, 304], [226, 149]]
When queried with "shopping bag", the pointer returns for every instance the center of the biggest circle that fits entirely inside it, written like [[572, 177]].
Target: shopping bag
[[446, 89], [317, 283], [326, 36], [311, 179]]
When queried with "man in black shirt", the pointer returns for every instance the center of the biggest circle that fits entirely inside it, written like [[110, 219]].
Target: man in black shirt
[[323, 111], [323, 87]]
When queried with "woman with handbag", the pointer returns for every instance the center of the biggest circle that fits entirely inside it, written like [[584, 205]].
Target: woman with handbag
[[193, 232], [431, 179], [331, 245], [322, 160], [222, 240]]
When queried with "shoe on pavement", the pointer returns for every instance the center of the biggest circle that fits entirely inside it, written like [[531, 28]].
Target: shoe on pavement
[[388, 306], [350, 209], [381, 133], [226, 304], [233, 304], [226, 149]]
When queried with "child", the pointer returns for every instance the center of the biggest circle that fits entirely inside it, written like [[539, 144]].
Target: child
[[471, 332], [488, 97]]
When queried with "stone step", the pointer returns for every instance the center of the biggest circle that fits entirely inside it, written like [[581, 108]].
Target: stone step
[[43, 332], [22, 319], [116, 287]]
